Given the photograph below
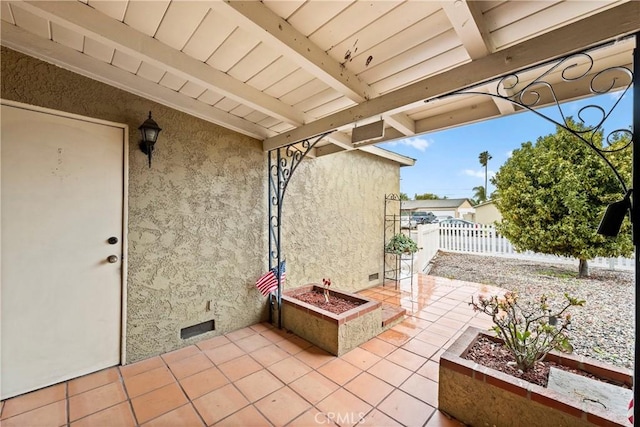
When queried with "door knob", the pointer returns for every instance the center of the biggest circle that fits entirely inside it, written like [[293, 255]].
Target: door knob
[[112, 259], [112, 240]]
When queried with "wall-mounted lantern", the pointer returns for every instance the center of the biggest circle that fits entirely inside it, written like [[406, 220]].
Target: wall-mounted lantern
[[150, 131]]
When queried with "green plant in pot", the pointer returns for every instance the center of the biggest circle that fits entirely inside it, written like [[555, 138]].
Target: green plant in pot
[[401, 244]]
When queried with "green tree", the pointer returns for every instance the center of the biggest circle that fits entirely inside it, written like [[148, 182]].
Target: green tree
[[553, 194], [427, 196], [484, 158], [403, 196]]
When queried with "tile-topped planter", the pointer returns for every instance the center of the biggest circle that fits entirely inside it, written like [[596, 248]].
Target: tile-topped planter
[[335, 333], [477, 395]]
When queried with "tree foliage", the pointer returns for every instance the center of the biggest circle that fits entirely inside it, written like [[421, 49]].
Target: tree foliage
[[404, 196], [552, 195], [428, 196], [479, 195]]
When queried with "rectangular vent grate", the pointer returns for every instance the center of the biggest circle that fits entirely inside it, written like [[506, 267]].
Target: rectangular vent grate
[[200, 328], [373, 277]]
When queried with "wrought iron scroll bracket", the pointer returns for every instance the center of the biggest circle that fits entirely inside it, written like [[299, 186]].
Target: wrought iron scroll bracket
[[532, 94], [283, 162]]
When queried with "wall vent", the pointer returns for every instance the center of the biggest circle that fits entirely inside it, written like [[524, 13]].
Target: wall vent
[[200, 328], [373, 277]]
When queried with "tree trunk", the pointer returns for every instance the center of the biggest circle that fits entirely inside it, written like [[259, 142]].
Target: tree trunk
[[583, 268]]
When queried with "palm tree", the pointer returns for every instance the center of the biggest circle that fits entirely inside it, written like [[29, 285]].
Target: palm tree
[[484, 158], [479, 194]]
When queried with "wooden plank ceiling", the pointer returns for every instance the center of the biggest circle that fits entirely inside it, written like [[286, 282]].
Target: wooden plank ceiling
[[285, 70]]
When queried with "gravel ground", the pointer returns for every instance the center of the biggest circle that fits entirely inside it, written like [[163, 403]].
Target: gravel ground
[[602, 329]]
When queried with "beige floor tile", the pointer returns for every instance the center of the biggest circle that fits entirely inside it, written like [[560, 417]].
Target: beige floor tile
[[421, 348], [406, 359], [406, 409], [213, 342], [376, 418], [240, 367], [119, 415], [240, 333], [190, 365], [142, 366], [96, 379], [293, 345], [247, 417], [314, 387], [203, 382], [269, 355], [378, 347], [180, 354], [252, 343], [260, 327], [53, 414], [282, 406], [438, 419], [35, 399], [312, 417], [158, 402], [274, 335], [394, 337], [344, 408], [369, 388], [219, 404], [148, 381], [339, 371], [430, 370], [224, 353], [361, 358], [95, 400], [432, 338], [289, 369], [315, 356], [390, 372], [184, 416], [422, 388], [258, 385]]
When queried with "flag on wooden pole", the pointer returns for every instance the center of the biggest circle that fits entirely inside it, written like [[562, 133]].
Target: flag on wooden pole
[[268, 282]]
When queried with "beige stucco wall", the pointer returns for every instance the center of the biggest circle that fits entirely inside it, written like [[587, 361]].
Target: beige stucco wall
[[488, 214], [197, 218]]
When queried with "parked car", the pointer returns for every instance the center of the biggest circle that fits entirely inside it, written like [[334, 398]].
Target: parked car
[[462, 226], [408, 222], [423, 217]]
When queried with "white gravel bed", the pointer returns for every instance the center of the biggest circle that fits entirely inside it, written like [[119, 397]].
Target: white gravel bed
[[602, 329]]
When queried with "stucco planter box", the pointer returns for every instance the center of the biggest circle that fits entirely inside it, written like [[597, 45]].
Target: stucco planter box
[[481, 396], [335, 333]]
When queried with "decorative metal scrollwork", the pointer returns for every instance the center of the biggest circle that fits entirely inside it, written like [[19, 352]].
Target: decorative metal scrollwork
[[533, 94], [283, 162]]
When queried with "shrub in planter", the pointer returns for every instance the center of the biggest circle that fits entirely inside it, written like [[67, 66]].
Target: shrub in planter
[[479, 395], [529, 331]]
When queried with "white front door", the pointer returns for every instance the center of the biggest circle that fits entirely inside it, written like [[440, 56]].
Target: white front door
[[62, 200]]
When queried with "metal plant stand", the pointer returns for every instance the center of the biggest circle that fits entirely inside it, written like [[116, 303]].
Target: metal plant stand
[[394, 264]]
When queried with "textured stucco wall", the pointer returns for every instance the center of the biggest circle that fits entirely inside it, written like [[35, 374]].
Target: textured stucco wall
[[197, 219], [333, 219]]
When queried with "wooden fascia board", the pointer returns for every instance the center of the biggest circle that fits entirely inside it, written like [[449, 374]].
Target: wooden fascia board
[[89, 22], [589, 32], [55, 53], [255, 17]]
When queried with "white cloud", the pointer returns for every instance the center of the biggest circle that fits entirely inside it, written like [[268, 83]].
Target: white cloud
[[509, 154], [478, 173], [417, 142]]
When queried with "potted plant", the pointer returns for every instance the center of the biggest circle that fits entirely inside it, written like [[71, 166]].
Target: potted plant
[[478, 395], [401, 244]]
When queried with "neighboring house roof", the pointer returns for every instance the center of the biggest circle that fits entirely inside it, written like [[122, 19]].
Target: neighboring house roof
[[434, 204]]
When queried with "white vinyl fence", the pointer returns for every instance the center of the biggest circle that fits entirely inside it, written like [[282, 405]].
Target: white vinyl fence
[[484, 240]]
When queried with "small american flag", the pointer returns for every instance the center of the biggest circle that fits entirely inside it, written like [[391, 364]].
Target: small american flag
[[268, 282]]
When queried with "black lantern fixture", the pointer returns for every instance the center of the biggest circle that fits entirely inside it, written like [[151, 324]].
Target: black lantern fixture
[[150, 131], [614, 215]]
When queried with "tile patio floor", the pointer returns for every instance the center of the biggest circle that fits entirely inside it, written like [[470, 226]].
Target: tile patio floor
[[262, 376]]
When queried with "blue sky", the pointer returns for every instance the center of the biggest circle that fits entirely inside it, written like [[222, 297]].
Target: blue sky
[[447, 161]]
